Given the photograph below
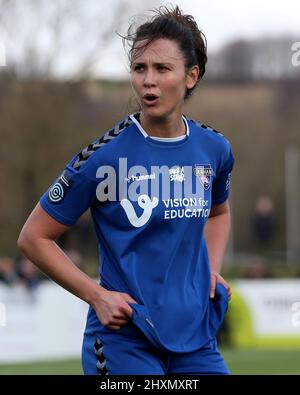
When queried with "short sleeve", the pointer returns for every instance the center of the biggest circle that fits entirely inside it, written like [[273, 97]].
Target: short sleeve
[[71, 194], [222, 181]]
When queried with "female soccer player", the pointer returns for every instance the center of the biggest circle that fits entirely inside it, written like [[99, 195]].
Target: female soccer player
[[157, 185]]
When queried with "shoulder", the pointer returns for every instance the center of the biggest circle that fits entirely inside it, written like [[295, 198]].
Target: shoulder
[[210, 135], [208, 131], [92, 153]]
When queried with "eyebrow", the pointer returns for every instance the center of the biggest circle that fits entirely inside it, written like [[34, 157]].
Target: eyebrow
[[155, 64]]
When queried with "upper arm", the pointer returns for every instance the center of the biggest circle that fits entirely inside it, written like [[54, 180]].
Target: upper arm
[[217, 209], [40, 225], [222, 180]]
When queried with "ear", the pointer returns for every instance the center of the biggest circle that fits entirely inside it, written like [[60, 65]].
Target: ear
[[192, 76]]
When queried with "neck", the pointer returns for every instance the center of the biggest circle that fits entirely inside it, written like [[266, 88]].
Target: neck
[[161, 127]]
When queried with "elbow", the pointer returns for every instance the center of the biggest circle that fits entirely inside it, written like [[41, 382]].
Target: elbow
[[21, 242], [24, 242]]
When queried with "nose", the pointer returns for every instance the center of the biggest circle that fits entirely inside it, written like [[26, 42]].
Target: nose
[[150, 78]]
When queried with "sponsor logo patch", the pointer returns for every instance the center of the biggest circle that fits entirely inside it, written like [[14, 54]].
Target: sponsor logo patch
[[59, 189], [177, 174]]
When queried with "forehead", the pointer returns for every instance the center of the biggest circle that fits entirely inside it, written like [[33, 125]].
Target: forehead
[[161, 50]]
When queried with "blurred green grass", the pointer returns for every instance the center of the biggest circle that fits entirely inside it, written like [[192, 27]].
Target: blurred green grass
[[263, 361], [239, 361], [70, 366]]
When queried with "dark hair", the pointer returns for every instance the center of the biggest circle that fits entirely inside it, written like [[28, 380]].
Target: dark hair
[[172, 24]]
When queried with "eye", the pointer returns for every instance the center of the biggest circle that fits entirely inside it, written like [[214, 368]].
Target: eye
[[138, 68], [162, 67]]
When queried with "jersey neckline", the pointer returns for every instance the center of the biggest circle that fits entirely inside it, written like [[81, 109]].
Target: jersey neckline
[[165, 142]]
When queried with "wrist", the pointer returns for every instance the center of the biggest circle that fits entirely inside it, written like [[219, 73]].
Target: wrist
[[96, 293]]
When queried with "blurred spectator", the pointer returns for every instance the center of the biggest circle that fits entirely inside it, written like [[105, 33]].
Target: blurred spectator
[[257, 269], [264, 220], [7, 270], [28, 273]]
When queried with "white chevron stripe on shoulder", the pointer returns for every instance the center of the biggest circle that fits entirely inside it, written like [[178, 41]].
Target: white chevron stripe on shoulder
[[105, 139]]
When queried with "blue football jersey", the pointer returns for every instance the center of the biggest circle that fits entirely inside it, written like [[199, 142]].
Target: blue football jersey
[[149, 200]]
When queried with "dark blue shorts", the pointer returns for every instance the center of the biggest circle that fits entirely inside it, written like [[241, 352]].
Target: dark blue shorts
[[129, 352]]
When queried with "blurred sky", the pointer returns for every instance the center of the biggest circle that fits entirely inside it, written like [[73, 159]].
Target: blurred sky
[[222, 21], [225, 20]]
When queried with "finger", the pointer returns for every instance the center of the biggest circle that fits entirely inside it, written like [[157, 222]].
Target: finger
[[228, 290], [114, 327], [126, 309], [225, 284], [128, 298], [213, 286], [118, 324], [120, 315], [120, 321]]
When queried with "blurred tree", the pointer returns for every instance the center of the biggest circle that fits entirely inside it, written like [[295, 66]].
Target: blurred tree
[[268, 58], [238, 61], [61, 38]]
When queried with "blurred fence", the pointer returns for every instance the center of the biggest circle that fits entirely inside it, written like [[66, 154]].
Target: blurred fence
[[45, 324], [48, 324]]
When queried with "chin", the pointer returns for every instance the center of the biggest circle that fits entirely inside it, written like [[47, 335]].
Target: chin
[[154, 112]]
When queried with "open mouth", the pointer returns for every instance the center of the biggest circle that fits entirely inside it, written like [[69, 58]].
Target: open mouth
[[150, 98]]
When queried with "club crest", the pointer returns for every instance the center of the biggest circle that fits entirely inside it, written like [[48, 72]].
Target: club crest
[[205, 175]]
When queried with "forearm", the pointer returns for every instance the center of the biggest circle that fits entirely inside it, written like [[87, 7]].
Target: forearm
[[51, 260], [216, 233]]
